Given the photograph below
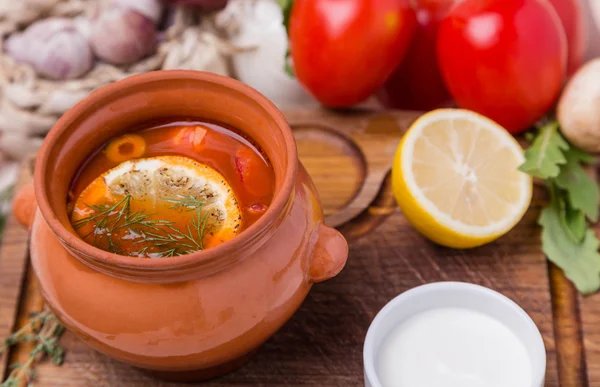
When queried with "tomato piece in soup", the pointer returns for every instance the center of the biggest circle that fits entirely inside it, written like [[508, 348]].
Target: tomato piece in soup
[[251, 169], [192, 135]]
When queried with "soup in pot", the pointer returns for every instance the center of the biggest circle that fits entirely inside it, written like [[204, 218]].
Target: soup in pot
[[170, 188]]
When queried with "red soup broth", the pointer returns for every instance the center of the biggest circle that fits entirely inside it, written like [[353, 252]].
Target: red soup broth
[[237, 158]]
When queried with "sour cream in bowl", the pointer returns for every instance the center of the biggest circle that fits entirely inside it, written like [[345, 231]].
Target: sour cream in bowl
[[452, 334]]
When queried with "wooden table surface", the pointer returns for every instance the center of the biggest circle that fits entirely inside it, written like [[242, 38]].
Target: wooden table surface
[[349, 156]]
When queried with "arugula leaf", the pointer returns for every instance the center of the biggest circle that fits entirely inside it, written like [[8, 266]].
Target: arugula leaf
[[572, 221], [579, 155], [544, 157], [579, 261], [582, 191], [567, 238]]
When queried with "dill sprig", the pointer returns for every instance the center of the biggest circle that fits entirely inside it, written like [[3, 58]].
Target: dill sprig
[[188, 202], [186, 242], [44, 330], [166, 239]]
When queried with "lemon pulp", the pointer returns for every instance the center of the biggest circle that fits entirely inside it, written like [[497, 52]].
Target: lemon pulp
[[456, 178]]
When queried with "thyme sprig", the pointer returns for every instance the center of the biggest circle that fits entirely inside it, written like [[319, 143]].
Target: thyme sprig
[[166, 239], [44, 330]]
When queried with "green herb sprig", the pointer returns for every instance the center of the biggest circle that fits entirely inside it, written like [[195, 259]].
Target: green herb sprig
[[167, 240], [44, 331], [568, 238]]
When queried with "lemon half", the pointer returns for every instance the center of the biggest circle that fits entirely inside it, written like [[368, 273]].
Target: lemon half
[[456, 178]]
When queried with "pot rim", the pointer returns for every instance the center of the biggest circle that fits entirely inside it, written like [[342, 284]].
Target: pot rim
[[73, 241]]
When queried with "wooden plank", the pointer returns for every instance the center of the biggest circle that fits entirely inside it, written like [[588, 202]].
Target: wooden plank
[[13, 264], [322, 344], [568, 330], [590, 308], [370, 138]]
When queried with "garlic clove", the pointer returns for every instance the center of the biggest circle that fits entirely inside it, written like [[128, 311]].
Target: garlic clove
[[17, 48], [121, 35], [44, 29], [83, 26], [53, 47], [69, 56]]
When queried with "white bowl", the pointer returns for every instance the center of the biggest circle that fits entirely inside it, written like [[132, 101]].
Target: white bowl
[[457, 295]]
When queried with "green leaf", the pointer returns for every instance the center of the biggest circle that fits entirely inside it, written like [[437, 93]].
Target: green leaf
[[545, 155], [31, 373], [579, 261], [580, 155], [289, 69], [529, 136], [573, 222], [11, 382], [11, 340], [582, 191], [58, 356], [284, 3], [286, 9], [59, 331]]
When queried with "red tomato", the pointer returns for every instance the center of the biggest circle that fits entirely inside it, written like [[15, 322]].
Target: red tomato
[[504, 59], [573, 20], [344, 50], [417, 84]]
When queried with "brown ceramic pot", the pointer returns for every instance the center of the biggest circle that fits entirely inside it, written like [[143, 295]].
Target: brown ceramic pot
[[205, 312]]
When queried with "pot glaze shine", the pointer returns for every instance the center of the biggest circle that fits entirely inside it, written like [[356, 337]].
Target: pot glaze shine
[[195, 316]]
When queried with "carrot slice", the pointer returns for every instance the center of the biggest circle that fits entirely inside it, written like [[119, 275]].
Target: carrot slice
[[126, 147]]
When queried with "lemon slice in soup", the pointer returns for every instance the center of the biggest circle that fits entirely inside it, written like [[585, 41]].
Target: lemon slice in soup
[[157, 207]]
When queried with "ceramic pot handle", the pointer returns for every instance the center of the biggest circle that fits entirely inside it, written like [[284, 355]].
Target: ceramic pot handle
[[25, 205], [329, 256]]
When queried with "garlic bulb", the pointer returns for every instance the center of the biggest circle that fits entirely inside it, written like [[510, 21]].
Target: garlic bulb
[[152, 9], [122, 35], [53, 47], [256, 27], [83, 26]]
